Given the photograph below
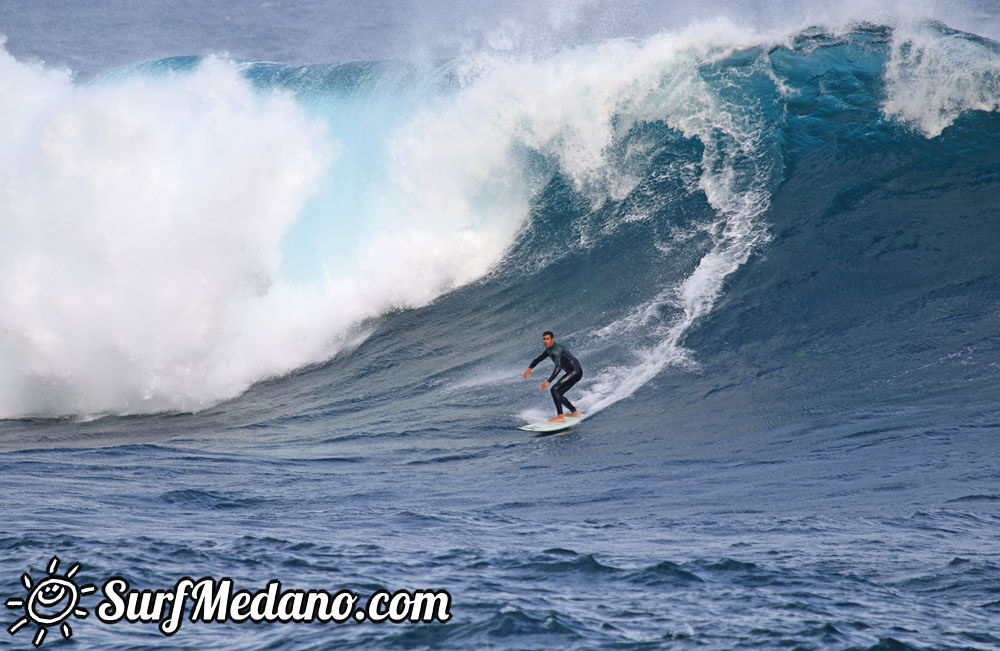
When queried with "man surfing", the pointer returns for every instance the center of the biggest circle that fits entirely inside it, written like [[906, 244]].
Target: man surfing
[[564, 361]]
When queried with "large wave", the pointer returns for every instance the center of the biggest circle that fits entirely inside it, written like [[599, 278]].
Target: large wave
[[175, 232]]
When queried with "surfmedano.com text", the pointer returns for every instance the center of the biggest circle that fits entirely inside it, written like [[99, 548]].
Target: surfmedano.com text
[[214, 600]]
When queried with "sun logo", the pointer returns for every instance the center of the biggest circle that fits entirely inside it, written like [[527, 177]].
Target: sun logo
[[50, 602]]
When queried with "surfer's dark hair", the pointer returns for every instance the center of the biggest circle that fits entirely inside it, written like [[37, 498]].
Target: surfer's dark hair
[[549, 333]]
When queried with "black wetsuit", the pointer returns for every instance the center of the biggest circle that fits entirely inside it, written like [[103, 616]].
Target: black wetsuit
[[564, 361]]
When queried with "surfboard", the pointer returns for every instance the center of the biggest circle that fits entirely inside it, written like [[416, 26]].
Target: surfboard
[[545, 427]]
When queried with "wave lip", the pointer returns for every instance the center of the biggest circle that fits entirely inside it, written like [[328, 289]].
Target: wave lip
[[935, 74]]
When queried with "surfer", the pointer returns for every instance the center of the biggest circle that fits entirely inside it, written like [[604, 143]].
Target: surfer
[[564, 361]]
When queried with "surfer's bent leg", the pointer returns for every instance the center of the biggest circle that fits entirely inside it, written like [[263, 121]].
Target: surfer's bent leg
[[561, 387]]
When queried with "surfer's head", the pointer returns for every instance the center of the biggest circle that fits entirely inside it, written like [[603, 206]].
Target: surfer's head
[[548, 338]]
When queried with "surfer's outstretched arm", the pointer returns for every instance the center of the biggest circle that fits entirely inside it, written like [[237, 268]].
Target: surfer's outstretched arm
[[535, 362]]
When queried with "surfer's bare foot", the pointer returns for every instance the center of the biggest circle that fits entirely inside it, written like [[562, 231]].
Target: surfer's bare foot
[[558, 419], [576, 414]]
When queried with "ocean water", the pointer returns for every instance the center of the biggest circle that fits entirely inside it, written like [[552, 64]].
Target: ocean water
[[270, 274]]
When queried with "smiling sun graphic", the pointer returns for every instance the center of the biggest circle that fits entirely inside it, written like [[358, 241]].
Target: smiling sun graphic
[[50, 602]]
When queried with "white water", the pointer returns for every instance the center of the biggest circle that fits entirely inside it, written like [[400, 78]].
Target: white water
[[138, 239], [933, 78]]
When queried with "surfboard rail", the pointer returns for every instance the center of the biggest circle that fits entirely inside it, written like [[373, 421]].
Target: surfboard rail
[[547, 427]]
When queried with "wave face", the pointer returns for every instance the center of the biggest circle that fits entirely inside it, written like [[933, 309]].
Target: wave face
[[175, 232]]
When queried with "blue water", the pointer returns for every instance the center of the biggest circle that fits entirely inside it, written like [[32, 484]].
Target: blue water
[[779, 270]]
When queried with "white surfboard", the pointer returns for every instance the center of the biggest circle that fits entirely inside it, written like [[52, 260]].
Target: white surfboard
[[545, 427]]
